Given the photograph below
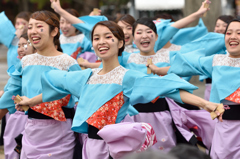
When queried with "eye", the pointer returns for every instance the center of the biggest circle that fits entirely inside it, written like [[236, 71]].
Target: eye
[[228, 33], [29, 28], [138, 32], [129, 28], [95, 39], [109, 37], [39, 26], [149, 32]]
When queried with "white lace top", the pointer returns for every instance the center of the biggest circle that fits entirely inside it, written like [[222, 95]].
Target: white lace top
[[173, 47], [158, 57], [130, 49], [72, 39], [114, 76], [225, 60], [62, 62]]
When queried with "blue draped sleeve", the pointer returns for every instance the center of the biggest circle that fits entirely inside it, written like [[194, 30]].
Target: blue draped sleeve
[[187, 35], [13, 88], [89, 22], [7, 30], [57, 84], [192, 63], [141, 88], [165, 32]]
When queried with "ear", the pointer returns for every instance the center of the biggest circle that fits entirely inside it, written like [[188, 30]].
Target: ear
[[120, 44], [156, 37], [54, 32]]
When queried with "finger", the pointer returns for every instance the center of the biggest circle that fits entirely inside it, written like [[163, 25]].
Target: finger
[[220, 118]]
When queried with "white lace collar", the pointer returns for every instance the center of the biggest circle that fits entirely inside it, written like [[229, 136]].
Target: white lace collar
[[62, 62], [137, 58], [114, 76], [225, 60]]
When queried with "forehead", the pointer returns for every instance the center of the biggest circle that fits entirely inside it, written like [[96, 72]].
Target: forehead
[[123, 23], [142, 27], [219, 21], [33, 21], [21, 20], [22, 40], [100, 29], [234, 26]]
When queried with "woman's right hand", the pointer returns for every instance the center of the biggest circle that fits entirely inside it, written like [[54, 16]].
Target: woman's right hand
[[55, 5]]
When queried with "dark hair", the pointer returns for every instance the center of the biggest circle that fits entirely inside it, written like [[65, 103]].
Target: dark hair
[[234, 20], [52, 20], [127, 18], [182, 151], [116, 31], [73, 12], [164, 16], [25, 36], [144, 21], [24, 15], [226, 18]]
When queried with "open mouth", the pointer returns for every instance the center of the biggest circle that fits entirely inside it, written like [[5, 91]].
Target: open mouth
[[36, 40], [127, 38], [64, 31], [145, 43], [234, 44], [103, 49]]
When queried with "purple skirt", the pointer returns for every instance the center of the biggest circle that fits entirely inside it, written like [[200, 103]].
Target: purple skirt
[[162, 125], [226, 143], [186, 119], [48, 139], [15, 126], [207, 91], [118, 141]]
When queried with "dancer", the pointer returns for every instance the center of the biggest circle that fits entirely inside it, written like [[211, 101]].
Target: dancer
[[43, 33], [221, 69], [110, 88], [16, 122]]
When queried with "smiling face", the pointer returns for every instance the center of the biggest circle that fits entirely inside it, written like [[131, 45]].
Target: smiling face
[[127, 30], [38, 34], [105, 44], [232, 39], [145, 39], [67, 28], [220, 26], [24, 48]]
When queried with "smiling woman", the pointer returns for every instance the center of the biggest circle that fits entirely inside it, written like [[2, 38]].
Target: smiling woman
[[43, 33]]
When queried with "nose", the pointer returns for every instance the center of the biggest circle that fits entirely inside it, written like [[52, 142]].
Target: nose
[[101, 41]]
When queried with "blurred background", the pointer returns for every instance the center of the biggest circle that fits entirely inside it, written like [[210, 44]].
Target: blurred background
[[137, 8]]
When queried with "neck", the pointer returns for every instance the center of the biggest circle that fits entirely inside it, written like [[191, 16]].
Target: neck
[[50, 50], [234, 56], [167, 45], [152, 52], [109, 65]]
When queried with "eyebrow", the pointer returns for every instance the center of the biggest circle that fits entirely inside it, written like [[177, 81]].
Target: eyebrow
[[104, 34]]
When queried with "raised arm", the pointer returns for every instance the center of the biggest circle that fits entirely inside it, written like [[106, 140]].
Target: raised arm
[[192, 17], [58, 9]]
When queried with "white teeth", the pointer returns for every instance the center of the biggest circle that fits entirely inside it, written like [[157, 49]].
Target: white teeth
[[35, 39], [145, 42], [103, 48]]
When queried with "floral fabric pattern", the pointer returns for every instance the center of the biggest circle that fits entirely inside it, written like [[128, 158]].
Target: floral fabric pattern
[[107, 114], [150, 139], [235, 96], [53, 109]]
